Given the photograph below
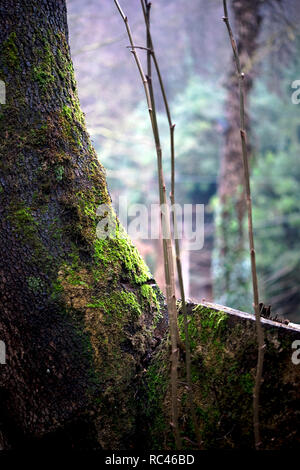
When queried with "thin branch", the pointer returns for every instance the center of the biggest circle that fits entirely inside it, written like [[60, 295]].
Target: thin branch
[[146, 6], [138, 63], [259, 330], [140, 47], [169, 269], [167, 241]]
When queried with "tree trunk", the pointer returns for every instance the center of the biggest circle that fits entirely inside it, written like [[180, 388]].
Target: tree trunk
[[78, 313], [247, 22]]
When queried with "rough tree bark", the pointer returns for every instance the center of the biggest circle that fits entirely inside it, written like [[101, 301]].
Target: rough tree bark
[[77, 313], [247, 23]]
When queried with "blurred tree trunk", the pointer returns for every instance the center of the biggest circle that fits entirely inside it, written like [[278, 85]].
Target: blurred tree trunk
[[231, 249], [77, 313]]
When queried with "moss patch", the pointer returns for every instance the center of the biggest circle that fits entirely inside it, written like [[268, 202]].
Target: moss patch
[[119, 254], [43, 73], [10, 51]]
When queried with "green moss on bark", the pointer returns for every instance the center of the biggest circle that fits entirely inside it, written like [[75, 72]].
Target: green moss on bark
[[10, 52]]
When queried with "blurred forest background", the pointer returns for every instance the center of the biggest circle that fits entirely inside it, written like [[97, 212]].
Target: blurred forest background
[[196, 62]]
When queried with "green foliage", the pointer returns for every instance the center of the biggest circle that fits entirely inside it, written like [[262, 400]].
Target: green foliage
[[196, 112], [231, 267], [276, 186], [275, 191]]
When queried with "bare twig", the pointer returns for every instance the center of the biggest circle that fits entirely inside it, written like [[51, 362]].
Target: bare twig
[[140, 47], [260, 334], [138, 63], [146, 6], [167, 241]]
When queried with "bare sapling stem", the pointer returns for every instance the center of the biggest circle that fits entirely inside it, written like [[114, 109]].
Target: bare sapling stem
[[146, 6], [259, 329], [166, 236]]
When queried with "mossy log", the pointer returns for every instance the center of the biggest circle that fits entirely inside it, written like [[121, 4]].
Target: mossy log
[[224, 351]]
